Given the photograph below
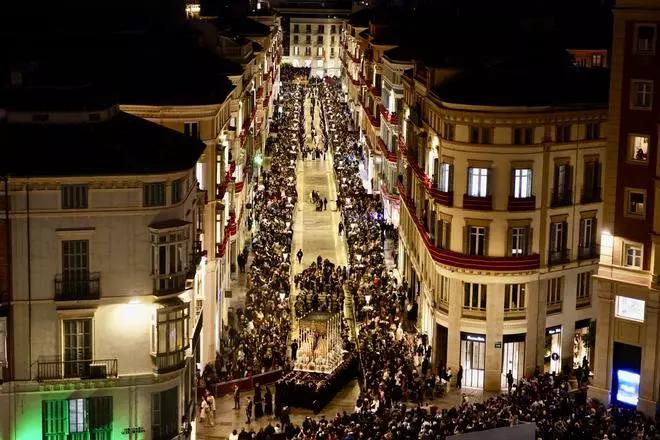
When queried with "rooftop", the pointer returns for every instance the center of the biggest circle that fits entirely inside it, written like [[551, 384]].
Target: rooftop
[[527, 87], [121, 145]]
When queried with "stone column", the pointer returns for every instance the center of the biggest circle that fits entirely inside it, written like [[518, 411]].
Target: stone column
[[602, 368], [535, 327], [568, 321], [494, 333], [454, 324]]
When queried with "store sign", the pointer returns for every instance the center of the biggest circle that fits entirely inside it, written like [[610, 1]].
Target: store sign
[[476, 338], [628, 389], [630, 308], [553, 330], [498, 345]]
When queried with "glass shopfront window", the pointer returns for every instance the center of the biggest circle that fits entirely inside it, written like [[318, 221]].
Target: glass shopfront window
[[473, 359], [513, 357], [552, 356]]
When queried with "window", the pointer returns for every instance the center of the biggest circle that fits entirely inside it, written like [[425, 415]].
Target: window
[[308, 40], [519, 241], [165, 414], [645, 36], [74, 196], [639, 147], [593, 131], [442, 295], [169, 259], [170, 329], [177, 190], [522, 183], [3, 342], [77, 418], [333, 29], [308, 28], [563, 133], [75, 269], [587, 232], [558, 234], [633, 255], [321, 29], [475, 296], [296, 50], [584, 288], [296, 28], [636, 203], [596, 60], [295, 39], [555, 288], [77, 346], [154, 194], [641, 94], [563, 190], [514, 297], [443, 234], [319, 39], [332, 40], [319, 51], [448, 131], [332, 52], [478, 182], [308, 51], [480, 135], [191, 129], [523, 136], [446, 177], [477, 240]]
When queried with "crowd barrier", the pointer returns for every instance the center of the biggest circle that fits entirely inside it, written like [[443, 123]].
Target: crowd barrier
[[247, 383]]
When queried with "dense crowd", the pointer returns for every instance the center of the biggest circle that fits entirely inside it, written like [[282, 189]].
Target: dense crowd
[[320, 288]]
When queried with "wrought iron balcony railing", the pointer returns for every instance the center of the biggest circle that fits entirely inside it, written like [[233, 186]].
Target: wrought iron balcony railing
[[87, 286], [78, 369]]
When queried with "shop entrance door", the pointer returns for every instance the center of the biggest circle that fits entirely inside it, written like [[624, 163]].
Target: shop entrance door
[[513, 358], [473, 359]]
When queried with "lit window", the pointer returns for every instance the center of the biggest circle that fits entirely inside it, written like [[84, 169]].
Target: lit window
[[641, 94], [639, 147], [522, 183], [74, 196], [555, 287], [633, 256], [478, 182], [514, 297], [154, 194], [191, 129], [444, 183], [475, 296], [169, 259], [518, 241]]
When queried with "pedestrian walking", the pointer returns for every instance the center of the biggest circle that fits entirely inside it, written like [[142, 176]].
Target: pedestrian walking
[[300, 256], [325, 204], [211, 401], [248, 410], [459, 377], [237, 397]]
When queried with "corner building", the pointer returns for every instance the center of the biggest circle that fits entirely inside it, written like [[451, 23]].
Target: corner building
[[500, 189], [628, 281], [104, 322]]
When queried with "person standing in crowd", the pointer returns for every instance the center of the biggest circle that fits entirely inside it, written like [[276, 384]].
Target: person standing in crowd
[[325, 204], [211, 401], [248, 410], [294, 350], [205, 412], [340, 228], [459, 377], [258, 403], [237, 397], [300, 256], [268, 402], [509, 380]]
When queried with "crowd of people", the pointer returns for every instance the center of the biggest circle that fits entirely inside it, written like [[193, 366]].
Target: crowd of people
[[391, 361]]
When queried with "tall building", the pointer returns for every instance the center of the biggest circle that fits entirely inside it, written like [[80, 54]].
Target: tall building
[[628, 281], [105, 287]]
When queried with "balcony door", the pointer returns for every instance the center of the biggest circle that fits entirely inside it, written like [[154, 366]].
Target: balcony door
[[77, 347], [75, 268]]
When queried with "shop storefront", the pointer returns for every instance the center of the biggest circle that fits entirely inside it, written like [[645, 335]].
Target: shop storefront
[[552, 355], [473, 359], [580, 344], [513, 357]]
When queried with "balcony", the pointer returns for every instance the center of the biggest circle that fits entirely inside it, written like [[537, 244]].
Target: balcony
[[477, 203], [583, 301], [474, 313], [590, 195], [88, 288], [169, 283], [521, 203], [168, 362], [514, 314], [553, 308], [388, 116], [561, 199], [559, 257], [588, 252], [84, 369], [445, 198]]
